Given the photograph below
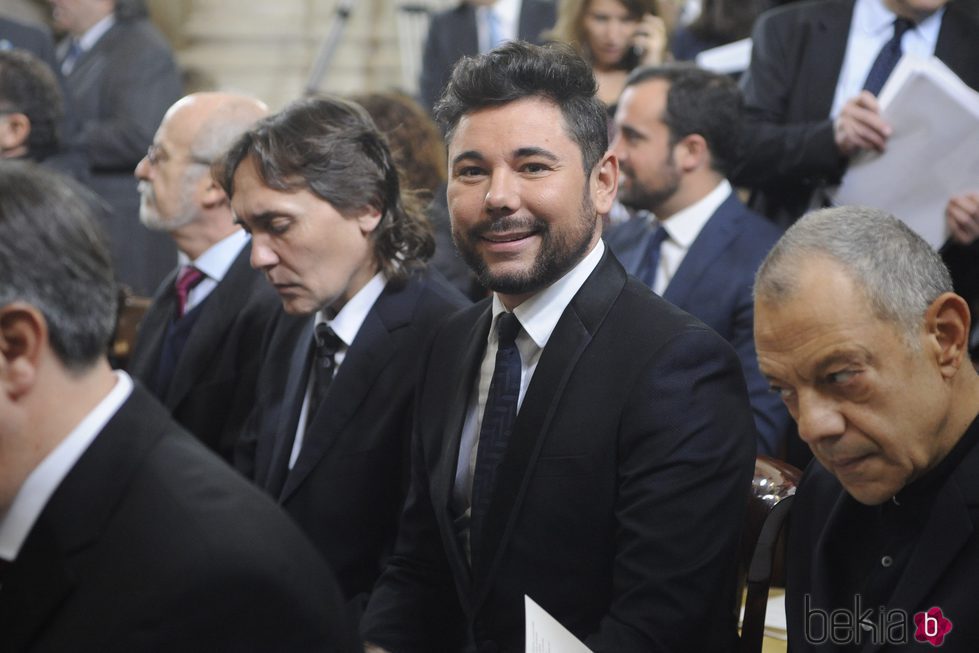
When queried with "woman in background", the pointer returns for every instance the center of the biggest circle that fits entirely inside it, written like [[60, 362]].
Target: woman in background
[[614, 35]]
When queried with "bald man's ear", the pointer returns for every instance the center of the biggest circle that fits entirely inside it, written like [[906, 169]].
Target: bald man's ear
[[23, 336], [15, 129], [213, 195], [947, 324]]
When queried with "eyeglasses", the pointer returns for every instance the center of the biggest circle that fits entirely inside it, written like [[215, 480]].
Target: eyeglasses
[[156, 155]]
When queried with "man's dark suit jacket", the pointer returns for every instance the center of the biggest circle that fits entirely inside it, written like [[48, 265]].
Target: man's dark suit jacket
[[714, 284], [452, 34], [619, 500], [152, 544], [796, 58], [33, 38], [212, 390], [348, 484], [941, 571], [119, 91]]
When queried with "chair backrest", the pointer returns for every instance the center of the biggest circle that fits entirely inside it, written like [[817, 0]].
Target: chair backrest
[[768, 505], [132, 308]]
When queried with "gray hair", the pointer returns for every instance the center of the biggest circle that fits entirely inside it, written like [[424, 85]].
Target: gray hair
[[53, 257], [898, 271]]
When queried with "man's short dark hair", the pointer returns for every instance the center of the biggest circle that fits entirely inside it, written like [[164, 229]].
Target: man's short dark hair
[[53, 256], [331, 147], [519, 70], [699, 102], [29, 87]]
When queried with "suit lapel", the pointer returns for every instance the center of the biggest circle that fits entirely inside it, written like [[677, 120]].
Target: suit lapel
[[629, 241], [461, 385], [273, 453], [709, 244], [825, 54], [217, 313], [571, 336], [366, 358], [146, 352]]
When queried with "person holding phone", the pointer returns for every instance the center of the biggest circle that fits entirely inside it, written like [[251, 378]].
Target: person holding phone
[[615, 36]]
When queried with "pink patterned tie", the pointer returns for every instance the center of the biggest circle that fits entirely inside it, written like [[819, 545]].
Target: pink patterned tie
[[189, 277]]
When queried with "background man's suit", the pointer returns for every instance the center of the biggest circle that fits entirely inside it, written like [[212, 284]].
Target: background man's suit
[[797, 55], [33, 38], [212, 390], [619, 500], [348, 484], [939, 573], [119, 91], [152, 544], [714, 283], [452, 34]]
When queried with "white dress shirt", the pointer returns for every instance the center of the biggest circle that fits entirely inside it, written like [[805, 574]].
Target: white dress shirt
[[17, 522], [871, 27], [507, 15], [214, 263], [346, 324], [682, 229], [538, 316]]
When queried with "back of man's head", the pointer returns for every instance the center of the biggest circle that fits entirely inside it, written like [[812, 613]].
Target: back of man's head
[[898, 271], [699, 102], [331, 147], [519, 70], [53, 257], [30, 98]]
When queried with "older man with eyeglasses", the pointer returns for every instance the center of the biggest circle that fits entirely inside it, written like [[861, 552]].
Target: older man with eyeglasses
[[196, 349]]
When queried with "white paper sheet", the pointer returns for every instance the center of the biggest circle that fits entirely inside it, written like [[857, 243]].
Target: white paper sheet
[[726, 59], [932, 154], [545, 634]]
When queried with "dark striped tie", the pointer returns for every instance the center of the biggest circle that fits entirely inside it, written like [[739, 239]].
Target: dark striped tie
[[498, 417], [887, 58]]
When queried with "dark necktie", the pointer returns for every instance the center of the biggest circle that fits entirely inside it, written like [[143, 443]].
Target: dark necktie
[[650, 262], [887, 58], [187, 281], [71, 57], [327, 344], [498, 417]]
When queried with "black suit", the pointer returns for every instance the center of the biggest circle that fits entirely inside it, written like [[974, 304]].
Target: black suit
[[452, 34], [825, 530], [150, 544], [618, 504], [796, 58], [348, 483], [119, 91], [212, 390]]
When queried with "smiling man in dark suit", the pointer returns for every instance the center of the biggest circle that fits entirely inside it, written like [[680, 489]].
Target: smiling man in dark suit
[[196, 348], [317, 188], [676, 136], [578, 439], [118, 531]]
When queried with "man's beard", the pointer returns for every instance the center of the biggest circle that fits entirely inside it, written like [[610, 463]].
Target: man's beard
[[637, 196], [555, 256], [150, 216]]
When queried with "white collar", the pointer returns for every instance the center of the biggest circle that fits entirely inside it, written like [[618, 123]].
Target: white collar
[[684, 226], [540, 313], [874, 18], [219, 257], [42, 482], [348, 321], [92, 35]]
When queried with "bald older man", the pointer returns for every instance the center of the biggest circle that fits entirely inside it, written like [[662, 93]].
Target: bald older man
[[197, 347]]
